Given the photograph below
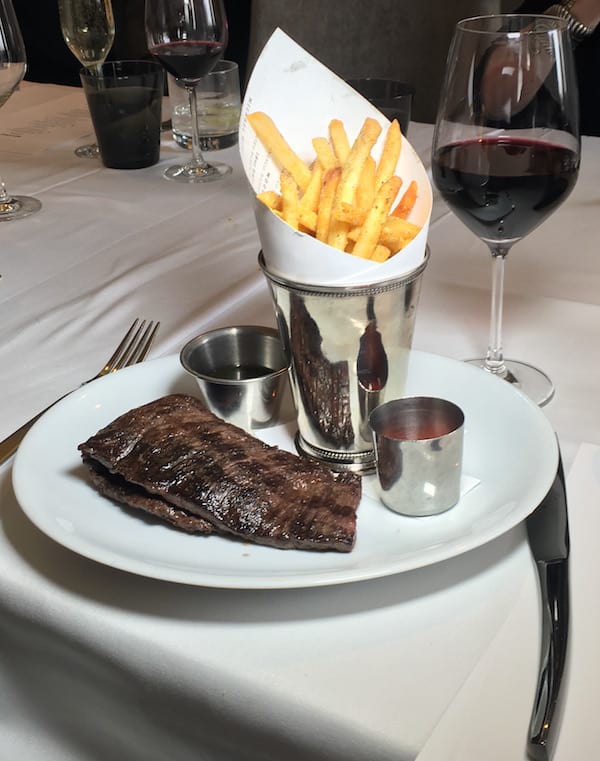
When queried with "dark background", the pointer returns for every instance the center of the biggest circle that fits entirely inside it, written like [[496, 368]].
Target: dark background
[[393, 38], [49, 59]]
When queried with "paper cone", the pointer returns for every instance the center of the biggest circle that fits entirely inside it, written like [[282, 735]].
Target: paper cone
[[302, 96]]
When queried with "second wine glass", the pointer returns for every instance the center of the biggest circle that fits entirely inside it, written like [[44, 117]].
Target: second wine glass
[[13, 63], [88, 28], [188, 37], [506, 147]]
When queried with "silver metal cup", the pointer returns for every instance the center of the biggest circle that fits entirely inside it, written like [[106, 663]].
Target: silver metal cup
[[242, 374], [419, 445], [348, 349]]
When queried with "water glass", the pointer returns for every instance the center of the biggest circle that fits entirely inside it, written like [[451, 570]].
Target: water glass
[[218, 102]]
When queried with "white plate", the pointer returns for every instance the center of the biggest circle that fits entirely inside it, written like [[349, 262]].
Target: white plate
[[509, 446]]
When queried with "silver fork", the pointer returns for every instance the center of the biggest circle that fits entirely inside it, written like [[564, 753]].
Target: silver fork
[[133, 348]]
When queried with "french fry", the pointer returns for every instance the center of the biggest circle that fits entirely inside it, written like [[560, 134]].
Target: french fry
[[278, 148], [365, 192], [381, 253], [390, 155], [353, 166], [289, 199], [307, 221], [407, 202], [345, 198], [353, 234], [397, 233], [339, 140], [371, 230], [310, 198], [351, 172], [353, 215], [338, 232], [271, 200], [325, 154], [331, 180]]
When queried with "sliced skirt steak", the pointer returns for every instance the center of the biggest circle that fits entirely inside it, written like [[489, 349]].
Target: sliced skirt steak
[[118, 489], [176, 451]]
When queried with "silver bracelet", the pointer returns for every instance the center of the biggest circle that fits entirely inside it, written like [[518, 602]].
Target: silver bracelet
[[577, 30]]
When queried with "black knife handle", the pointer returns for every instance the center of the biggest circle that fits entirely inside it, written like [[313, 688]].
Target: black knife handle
[[554, 580]]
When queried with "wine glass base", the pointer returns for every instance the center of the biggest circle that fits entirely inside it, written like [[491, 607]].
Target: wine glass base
[[189, 173], [17, 207], [532, 382], [90, 151]]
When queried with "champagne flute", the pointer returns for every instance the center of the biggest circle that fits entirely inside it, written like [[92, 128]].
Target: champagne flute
[[506, 147], [88, 28], [188, 37], [12, 70]]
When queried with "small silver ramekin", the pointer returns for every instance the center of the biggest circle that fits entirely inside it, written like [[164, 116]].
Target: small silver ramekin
[[242, 373], [419, 444]]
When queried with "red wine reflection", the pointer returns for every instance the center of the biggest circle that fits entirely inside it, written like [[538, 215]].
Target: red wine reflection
[[372, 361]]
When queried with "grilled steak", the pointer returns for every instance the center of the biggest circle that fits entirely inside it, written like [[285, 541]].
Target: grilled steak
[[118, 489], [177, 450]]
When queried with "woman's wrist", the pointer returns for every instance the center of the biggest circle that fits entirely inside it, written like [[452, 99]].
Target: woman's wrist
[[582, 16], [587, 12]]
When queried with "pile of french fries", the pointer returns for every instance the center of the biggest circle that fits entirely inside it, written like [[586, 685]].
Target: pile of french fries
[[344, 197]]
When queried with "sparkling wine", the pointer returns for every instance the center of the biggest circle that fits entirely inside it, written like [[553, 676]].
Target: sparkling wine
[[88, 28], [12, 69]]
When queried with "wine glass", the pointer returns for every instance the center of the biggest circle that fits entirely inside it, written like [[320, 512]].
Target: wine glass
[[506, 147], [12, 70], [188, 37], [88, 28]]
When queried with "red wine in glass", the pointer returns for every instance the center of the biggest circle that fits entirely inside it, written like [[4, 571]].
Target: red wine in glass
[[506, 147], [188, 37], [189, 60], [502, 188]]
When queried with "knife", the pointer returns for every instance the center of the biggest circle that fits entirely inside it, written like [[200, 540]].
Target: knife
[[548, 533]]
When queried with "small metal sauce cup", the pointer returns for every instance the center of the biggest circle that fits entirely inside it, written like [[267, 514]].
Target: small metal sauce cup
[[242, 374], [419, 445]]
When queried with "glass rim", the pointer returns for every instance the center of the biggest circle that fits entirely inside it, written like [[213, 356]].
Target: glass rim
[[223, 66], [136, 66], [550, 24]]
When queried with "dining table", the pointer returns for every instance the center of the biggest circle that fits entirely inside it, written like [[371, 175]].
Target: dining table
[[435, 663]]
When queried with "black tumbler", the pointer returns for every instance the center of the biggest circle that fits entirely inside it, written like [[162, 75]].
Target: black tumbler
[[125, 102], [394, 99]]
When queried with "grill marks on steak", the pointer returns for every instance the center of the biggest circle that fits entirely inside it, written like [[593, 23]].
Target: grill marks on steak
[[118, 489], [175, 449]]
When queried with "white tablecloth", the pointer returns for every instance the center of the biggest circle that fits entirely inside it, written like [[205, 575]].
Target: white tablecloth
[[96, 663]]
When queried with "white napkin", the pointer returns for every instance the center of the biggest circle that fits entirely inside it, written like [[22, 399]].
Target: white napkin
[[489, 717]]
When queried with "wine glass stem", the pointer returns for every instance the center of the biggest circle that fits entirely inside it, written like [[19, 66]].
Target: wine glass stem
[[494, 360], [197, 157], [4, 197]]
